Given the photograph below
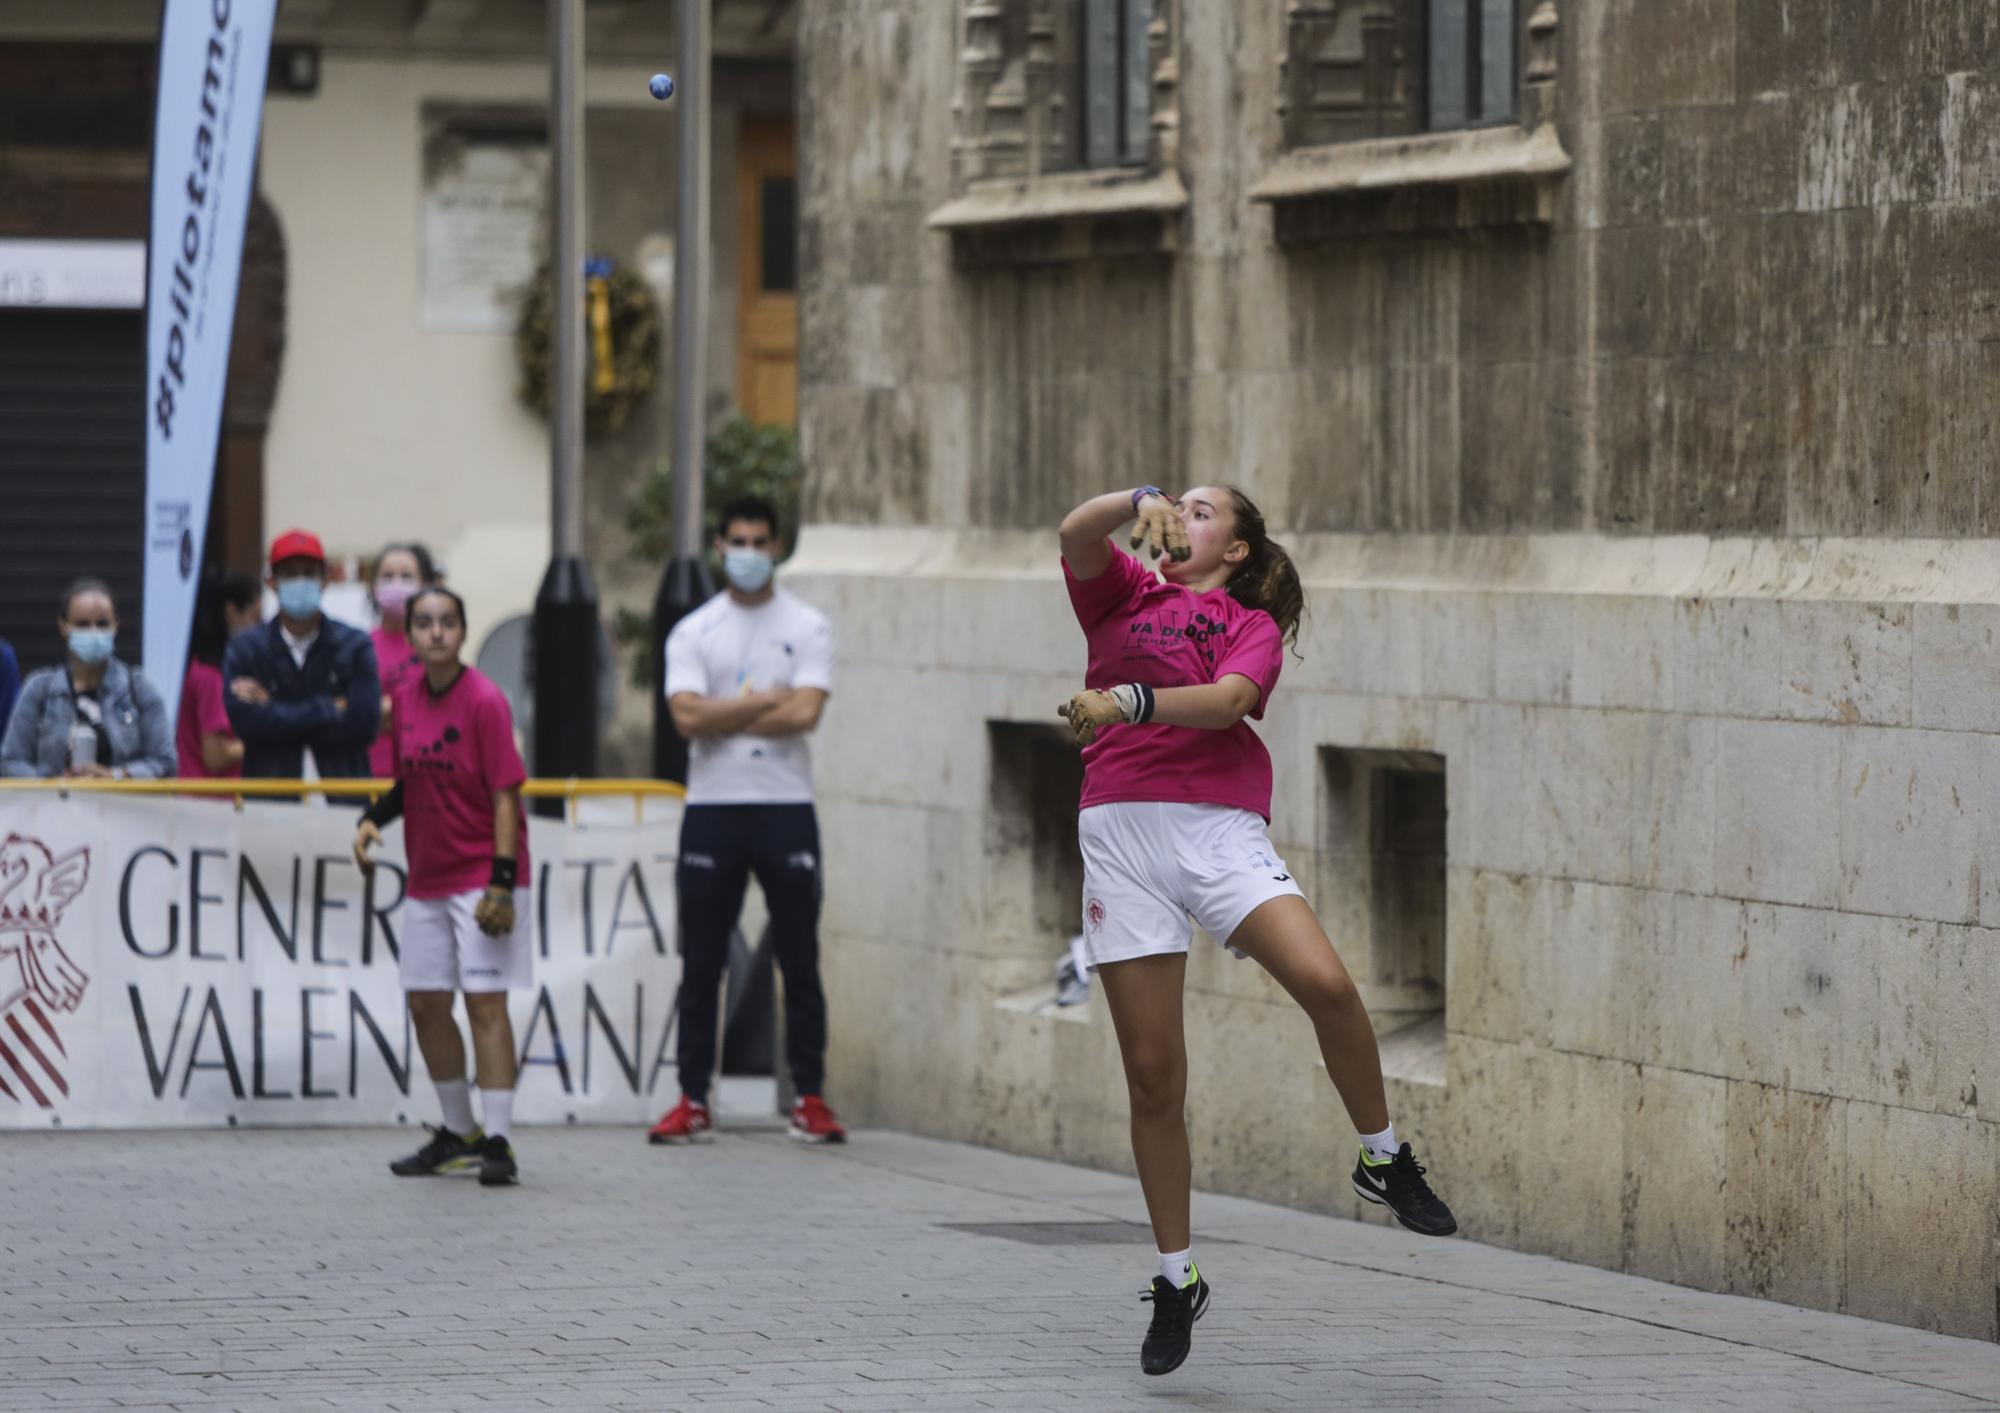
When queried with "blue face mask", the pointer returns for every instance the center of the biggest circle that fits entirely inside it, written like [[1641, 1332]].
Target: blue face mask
[[91, 645], [747, 569], [298, 598]]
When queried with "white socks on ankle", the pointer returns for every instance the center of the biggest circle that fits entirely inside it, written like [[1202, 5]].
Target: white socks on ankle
[[455, 1098], [497, 1105], [1380, 1147], [1177, 1267]]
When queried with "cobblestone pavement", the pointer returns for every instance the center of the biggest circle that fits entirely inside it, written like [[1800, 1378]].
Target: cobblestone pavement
[[252, 1269]]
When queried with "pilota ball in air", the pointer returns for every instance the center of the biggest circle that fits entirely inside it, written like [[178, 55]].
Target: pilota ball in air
[[661, 86]]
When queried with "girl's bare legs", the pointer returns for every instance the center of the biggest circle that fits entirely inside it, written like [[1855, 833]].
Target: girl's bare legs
[[1145, 999], [492, 1038], [1284, 937], [437, 1035]]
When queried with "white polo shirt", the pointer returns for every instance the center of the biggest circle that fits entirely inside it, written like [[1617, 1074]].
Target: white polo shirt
[[725, 650]]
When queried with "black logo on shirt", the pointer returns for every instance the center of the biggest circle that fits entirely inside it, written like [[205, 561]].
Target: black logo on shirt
[[432, 758], [1156, 633]]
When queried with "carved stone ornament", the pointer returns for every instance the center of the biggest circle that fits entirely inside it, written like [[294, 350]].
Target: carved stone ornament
[[1543, 23]]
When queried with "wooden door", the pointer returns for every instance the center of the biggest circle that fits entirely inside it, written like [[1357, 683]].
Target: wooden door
[[767, 368]]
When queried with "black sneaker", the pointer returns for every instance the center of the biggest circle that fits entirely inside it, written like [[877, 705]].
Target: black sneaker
[[496, 1163], [1172, 1330], [1399, 1185], [447, 1152]]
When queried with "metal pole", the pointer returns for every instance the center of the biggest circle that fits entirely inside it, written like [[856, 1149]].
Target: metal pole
[[686, 586], [566, 114], [565, 641], [691, 281]]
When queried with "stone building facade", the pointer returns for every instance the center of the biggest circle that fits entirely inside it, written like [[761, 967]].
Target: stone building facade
[[1621, 374]]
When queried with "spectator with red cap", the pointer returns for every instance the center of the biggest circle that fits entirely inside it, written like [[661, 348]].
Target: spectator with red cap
[[304, 692]]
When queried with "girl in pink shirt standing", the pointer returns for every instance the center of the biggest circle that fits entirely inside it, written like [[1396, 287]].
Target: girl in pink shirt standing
[[400, 570], [1176, 800], [466, 929]]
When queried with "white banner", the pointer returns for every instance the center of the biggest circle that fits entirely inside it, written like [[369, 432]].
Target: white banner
[[181, 963], [213, 54], [73, 274]]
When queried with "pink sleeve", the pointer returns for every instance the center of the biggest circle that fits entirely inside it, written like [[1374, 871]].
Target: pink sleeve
[[1256, 649], [499, 761], [1095, 600], [211, 716]]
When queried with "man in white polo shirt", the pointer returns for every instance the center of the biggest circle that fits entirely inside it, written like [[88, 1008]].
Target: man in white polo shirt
[[747, 676]]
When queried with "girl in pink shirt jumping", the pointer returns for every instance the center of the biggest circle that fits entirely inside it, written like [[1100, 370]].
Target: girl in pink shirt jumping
[[1173, 824], [465, 928]]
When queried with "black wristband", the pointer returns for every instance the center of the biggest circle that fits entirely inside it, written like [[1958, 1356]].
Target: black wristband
[[1145, 703], [1142, 493], [504, 873], [387, 809]]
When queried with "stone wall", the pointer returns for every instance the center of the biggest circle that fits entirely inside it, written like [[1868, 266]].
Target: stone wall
[[1651, 519], [1760, 309]]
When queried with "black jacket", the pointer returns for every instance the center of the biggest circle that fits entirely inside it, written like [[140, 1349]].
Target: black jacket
[[301, 712]]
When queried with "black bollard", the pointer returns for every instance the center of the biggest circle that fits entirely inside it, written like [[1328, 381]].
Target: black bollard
[[564, 667], [684, 587]]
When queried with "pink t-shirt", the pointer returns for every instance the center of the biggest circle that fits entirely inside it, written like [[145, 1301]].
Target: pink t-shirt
[[201, 714], [1141, 629], [453, 754], [398, 663]]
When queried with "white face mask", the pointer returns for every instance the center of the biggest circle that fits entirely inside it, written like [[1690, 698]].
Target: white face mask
[[747, 569]]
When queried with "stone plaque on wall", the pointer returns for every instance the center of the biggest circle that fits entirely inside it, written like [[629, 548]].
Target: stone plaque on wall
[[484, 215]]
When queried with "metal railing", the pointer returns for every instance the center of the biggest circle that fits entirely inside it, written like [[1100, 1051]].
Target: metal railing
[[240, 790]]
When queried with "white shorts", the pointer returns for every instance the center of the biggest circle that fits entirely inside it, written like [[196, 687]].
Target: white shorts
[[1148, 867], [444, 950]]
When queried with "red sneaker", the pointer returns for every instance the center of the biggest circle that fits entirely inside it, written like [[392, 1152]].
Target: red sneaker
[[686, 1122], [813, 1122]]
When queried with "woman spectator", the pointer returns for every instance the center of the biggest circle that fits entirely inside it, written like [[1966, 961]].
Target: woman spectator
[[204, 741], [94, 717], [400, 570]]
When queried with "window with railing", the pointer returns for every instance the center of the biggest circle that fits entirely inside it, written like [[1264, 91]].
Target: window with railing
[[1360, 69], [1056, 86], [1067, 132]]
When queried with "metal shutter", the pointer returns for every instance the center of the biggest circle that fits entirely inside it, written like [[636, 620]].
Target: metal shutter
[[72, 469]]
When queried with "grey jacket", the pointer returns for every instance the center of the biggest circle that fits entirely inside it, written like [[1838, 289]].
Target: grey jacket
[[135, 718]]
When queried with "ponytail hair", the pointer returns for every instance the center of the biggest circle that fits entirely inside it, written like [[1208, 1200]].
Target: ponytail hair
[[1267, 578]]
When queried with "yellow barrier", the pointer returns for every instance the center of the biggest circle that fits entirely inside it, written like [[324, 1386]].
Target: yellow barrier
[[240, 790]]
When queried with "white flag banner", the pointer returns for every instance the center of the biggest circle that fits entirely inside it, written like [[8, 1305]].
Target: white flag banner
[[213, 55], [180, 963]]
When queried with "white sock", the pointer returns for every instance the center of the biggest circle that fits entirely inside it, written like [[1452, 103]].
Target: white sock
[[497, 1105], [455, 1098], [1177, 1267], [1380, 1147]]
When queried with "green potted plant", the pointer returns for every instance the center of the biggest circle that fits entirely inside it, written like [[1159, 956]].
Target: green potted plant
[[740, 459]]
